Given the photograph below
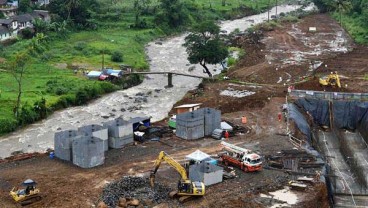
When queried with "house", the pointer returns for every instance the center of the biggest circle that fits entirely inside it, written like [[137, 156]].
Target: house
[[24, 21], [12, 25], [4, 33], [8, 28], [42, 14], [8, 9], [187, 108], [41, 2]]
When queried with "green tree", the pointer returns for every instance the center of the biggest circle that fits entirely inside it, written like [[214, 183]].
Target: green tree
[[40, 26], [72, 4], [17, 67], [139, 7], [24, 6], [343, 6], [77, 12], [172, 12], [204, 45]]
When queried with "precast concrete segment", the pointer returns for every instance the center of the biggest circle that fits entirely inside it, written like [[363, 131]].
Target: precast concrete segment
[[344, 201], [345, 182], [359, 151]]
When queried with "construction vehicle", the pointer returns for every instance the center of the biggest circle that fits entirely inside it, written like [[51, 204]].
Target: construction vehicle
[[186, 187], [28, 195], [240, 157], [332, 80]]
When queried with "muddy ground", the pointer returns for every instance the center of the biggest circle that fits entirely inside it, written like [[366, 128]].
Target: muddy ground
[[65, 185]]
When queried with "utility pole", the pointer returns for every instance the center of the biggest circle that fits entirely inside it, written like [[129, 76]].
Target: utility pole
[[268, 20], [103, 59], [276, 8]]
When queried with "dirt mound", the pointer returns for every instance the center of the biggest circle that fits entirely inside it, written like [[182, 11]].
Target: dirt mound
[[313, 84]]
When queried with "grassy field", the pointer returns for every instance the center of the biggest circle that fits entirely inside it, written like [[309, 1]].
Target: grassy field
[[355, 27], [85, 48]]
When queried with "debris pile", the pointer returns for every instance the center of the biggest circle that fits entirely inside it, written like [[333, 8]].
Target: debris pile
[[134, 188], [294, 160]]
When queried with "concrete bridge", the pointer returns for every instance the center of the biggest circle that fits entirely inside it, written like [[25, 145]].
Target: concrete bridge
[[169, 75]]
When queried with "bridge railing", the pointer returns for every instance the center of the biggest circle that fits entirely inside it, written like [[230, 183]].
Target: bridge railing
[[328, 95]]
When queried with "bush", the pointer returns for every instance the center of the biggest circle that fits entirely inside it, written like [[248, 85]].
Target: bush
[[27, 115], [7, 125], [231, 61], [26, 33], [81, 97], [117, 56], [107, 87], [79, 46]]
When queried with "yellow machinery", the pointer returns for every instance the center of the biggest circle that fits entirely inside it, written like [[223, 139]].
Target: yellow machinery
[[186, 187], [28, 195], [332, 79]]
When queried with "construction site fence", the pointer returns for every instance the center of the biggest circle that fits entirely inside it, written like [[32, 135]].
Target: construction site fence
[[328, 95]]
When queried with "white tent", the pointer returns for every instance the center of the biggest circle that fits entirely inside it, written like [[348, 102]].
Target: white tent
[[198, 156]]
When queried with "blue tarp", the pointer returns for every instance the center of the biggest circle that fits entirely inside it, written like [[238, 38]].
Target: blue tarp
[[300, 121], [317, 108], [347, 114]]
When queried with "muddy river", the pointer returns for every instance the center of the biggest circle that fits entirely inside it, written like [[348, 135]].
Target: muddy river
[[150, 98]]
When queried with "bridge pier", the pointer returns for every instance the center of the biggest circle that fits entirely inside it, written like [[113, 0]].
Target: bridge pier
[[169, 80]]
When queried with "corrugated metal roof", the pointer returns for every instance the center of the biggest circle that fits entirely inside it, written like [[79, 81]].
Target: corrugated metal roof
[[188, 105], [94, 74]]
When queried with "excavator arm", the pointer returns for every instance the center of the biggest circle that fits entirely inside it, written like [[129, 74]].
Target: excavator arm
[[165, 157]]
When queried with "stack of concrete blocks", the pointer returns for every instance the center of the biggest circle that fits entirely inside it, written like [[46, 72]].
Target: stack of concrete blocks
[[120, 133], [88, 151], [206, 172], [96, 131], [198, 123], [212, 120], [63, 144]]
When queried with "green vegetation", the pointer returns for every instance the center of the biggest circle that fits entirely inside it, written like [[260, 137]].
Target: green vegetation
[[80, 34], [366, 77], [351, 14], [204, 45]]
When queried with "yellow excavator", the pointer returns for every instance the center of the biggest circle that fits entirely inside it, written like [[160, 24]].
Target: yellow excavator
[[186, 187], [28, 195], [332, 79]]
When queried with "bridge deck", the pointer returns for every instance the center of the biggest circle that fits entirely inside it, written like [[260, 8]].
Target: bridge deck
[[163, 72]]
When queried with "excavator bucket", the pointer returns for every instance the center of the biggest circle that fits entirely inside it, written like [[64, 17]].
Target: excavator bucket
[[152, 180]]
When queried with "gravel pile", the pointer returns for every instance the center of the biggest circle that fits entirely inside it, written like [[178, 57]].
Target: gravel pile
[[134, 187]]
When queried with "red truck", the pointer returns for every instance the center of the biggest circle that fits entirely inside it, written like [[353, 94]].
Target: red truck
[[241, 158]]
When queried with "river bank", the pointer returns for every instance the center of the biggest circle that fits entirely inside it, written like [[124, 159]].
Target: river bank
[[150, 98]]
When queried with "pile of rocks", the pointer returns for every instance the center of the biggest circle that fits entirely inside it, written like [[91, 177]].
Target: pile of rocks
[[135, 189]]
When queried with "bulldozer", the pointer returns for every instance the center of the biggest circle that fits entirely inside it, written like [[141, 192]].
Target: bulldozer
[[186, 187], [332, 80], [30, 194]]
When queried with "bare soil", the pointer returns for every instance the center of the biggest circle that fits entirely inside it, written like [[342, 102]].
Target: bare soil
[[65, 185]]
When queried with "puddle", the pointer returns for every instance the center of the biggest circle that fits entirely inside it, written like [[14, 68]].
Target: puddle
[[285, 195]]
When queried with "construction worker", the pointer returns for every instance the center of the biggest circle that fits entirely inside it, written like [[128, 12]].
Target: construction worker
[[279, 116], [226, 134]]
